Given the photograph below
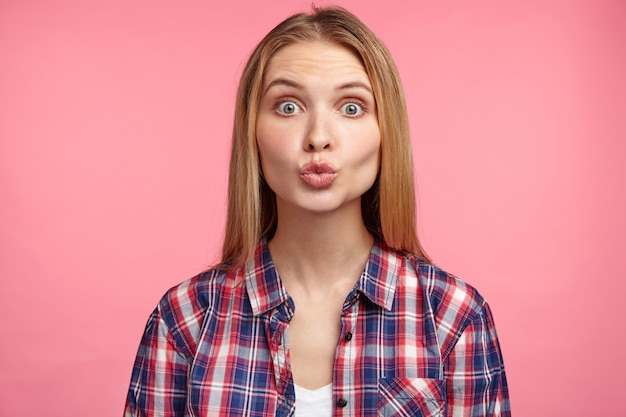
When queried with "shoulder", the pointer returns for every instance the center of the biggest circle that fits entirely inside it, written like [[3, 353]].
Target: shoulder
[[443, 292], [183, 307], [452, 303], [446, 290], [193, 296]]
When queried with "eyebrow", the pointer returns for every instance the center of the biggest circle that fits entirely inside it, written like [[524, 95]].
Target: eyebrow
[[282, 81], [356, 84], [291, 83]]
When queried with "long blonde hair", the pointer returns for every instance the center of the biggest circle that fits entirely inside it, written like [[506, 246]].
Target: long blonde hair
[[388, 208]]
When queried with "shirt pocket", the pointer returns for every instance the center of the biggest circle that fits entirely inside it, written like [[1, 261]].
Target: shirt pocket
[[411, 397]]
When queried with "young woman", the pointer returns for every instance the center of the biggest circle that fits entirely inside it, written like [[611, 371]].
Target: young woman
[[324, 302]]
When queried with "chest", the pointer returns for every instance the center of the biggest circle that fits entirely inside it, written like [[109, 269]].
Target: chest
[[313, 333], [243, 364]]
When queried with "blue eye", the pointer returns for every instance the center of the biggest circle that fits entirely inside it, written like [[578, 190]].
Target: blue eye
[[288, 107], [351, 109]]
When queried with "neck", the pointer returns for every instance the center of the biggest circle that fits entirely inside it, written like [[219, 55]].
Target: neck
[[321, 251]]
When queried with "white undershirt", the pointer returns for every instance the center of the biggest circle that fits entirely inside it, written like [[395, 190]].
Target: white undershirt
[[314, 403]]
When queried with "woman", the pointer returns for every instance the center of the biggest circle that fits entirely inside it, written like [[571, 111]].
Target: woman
[[324, 302]]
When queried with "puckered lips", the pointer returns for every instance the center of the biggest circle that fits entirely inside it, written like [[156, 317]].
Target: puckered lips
[[318, 174]]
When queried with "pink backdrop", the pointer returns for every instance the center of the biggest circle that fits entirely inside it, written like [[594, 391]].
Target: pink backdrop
[[115, 122]]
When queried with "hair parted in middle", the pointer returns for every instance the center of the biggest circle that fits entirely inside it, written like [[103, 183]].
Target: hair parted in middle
[[388, 207]]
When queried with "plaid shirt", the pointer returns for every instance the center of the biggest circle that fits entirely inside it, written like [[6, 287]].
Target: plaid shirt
[[415, 341]]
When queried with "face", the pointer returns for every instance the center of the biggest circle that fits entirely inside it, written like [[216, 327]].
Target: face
[[317, 128]]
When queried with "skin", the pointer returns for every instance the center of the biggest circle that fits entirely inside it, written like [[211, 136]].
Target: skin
[[318, 106]]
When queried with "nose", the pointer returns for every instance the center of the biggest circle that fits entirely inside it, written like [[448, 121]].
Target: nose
[[319, 135]]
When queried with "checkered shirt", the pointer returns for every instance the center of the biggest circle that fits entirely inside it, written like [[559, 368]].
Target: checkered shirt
[[415, 341]]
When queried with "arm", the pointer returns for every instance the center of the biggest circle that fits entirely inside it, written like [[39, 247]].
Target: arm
[[474, 370], [159, 379]]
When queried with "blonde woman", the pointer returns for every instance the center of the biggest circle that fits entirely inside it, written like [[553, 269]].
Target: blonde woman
[[325, 303]]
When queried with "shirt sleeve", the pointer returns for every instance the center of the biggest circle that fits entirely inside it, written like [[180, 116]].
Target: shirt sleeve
[[476, 381], [159, 378]]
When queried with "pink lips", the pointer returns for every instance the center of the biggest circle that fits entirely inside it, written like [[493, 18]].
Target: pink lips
[[318, 174]]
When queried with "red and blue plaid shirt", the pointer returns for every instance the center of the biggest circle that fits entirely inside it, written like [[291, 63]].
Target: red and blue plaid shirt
[[415, 341]]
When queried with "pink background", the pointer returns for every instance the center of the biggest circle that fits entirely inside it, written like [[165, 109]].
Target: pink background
[[115, 121]]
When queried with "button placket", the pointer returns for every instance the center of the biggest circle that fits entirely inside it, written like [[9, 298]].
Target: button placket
[[346, 352]]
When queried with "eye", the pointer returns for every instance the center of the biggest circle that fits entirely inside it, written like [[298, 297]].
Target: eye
[[352, 109], [287, 107]]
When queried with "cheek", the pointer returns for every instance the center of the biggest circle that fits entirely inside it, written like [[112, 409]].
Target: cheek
[[266, 143], [369, 149], [269, 152], [274, 157], [266, 160], [272, 141]]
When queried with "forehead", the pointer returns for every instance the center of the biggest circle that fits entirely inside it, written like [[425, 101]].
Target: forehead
[[315, 58]]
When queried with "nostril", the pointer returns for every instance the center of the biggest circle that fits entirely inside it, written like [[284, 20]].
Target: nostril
[[311, 147]]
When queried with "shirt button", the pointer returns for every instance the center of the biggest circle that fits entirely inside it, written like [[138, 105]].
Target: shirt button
[[348, 336], [342, 402]]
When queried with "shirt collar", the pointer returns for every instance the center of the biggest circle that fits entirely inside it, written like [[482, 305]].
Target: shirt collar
[[377, 282], [265, 288]]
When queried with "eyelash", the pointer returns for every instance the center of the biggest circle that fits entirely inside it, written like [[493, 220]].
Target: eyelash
[[359, 103], [282, 100]]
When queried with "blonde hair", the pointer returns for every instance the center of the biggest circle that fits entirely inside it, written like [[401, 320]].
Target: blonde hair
[[388, 208]]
